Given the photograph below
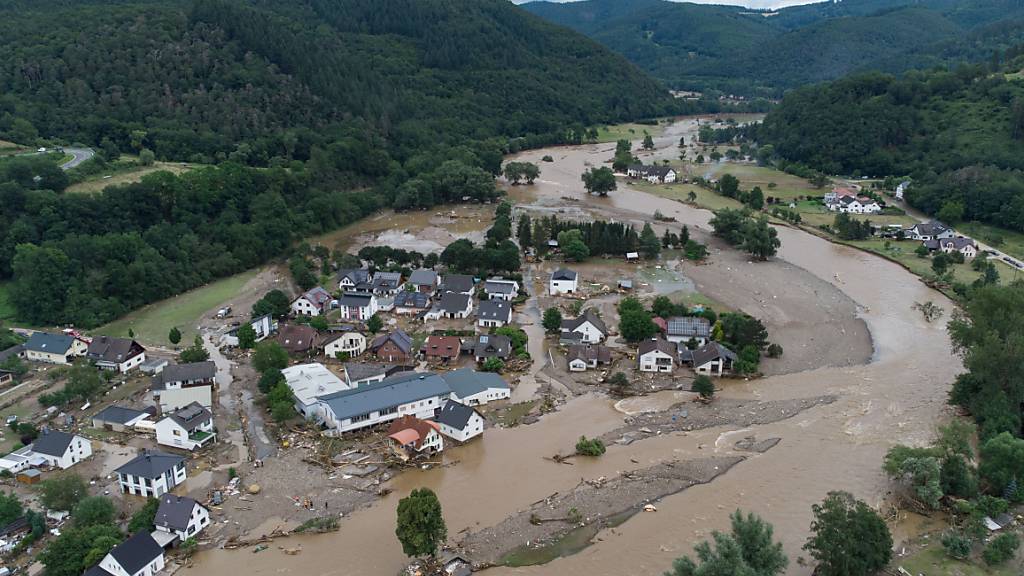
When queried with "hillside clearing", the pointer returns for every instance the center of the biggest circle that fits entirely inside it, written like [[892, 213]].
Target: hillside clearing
[[97, 183]]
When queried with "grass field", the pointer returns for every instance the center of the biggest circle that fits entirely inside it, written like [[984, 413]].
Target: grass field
[[705, 198], [627, 131], [1011, 242], [934, 561], [152, 323], [97, 183], [903, 252], [786, 187]]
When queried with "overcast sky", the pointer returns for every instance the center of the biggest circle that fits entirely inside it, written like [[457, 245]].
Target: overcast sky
[[747, 3]]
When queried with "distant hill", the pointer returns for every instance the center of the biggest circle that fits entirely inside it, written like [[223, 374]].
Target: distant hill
[[696, 46]]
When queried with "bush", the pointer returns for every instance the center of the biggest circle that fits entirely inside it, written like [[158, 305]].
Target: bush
[[774, 350], [1000, 549], [493, 364], [704, 386], [591, 447], [547, 158], [957, 545], [318, 525]]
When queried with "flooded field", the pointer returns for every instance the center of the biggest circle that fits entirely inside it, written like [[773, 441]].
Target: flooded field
[[845, 320]]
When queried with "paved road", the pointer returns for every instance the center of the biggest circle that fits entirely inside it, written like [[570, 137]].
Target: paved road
[[79, 155]]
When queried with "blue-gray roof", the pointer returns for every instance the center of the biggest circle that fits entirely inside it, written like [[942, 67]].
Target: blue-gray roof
[[495, 310], [117, 414], [16, 350], [455, 415], [52, 443], [49, 343], [392, 391], [412, 299], [136, 552], [151, 464], [423, 277], [467, 382]]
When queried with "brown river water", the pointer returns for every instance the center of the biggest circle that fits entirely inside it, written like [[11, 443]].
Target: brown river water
[[898, 397]]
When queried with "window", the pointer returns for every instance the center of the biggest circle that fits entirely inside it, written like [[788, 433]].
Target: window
[[387, 411], [360, 418]]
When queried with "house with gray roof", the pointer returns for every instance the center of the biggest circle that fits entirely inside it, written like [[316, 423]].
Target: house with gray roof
[[499, 288], [139, 555], [54, 348], [581, 357], [712, 359], [16, 351], [60, 449], [460, 283], [411, 302], [460, 422], [563, 281], [120, 354], [682, 329], [933, 230], [181, 516], [451, 305], [424, 281], [188, 428], [395, 346], [491, 346], [653, 173], [363, 373], [474, 388], [313, 302], [404, 394], [151, 474], [358, 306], [657, 355], [118, 419], [386, 283], [355, 280], [494, 313], [589, 325], [179, 385]]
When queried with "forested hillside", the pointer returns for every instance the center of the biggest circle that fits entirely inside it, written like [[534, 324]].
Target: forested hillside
[[316, 112], [959, 135], [737, 50]]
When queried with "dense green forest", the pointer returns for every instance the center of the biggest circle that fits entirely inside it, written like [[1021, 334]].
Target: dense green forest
[[959, 135], [742, 51], [313, 112]]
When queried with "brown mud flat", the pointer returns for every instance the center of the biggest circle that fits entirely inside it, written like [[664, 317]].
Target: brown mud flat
[[590, 502], [687, 416]]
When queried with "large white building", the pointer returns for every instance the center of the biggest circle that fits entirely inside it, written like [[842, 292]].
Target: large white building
[[358, 306], [345, 343], [307, 383]]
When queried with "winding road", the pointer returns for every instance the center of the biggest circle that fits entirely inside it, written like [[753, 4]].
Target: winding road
[[79, 155]]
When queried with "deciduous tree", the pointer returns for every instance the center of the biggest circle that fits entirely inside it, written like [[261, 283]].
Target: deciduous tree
[[421, 528]]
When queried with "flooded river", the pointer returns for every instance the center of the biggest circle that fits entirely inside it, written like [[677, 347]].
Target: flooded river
[[898, 396]]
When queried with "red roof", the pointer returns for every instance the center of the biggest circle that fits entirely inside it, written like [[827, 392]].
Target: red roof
[[660, 323], [442, 347], [411, 430]]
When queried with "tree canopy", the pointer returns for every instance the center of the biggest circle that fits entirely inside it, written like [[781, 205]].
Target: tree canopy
[[421, 528]]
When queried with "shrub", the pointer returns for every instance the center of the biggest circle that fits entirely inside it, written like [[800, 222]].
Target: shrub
[[774, 350], [1000, 549], [957, 545], [704, 386], [589, 447]]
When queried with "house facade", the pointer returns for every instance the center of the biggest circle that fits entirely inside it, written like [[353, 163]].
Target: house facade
[[474, 388], [589, 325], [501, 289], [139, 555], [411, 302], [151, 474], [314, 302], [181, 516], [855, 205], [933, 230], [653, 174], [345, 344], [264, 326], [582, 357], [179, 385], [395, 346], [409, 437], [494, 313], [460, 422], [404, 394], [355, 280], [491, 346], [442, 348], [460, 283], [965, 246], [189, 428], [657, 355], [712, 359], [387, 283], [453, 305], [118, 354], [60, 449], [358, 306], [563, 281], [423, 281], [54, 348]]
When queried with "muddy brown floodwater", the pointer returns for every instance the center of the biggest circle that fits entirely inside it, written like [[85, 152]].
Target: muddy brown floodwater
[[895, 396]]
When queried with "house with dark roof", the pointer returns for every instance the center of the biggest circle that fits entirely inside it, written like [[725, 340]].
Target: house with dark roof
[[188, 428], [411, 302], [179, 385], [120, 354], [442, 348], [313, 302], [424, 281], [460, 422], [491, 346], [581, 357], [657, 355], [712, 359], [406, 393], [499, 288], [151, 474], [653, 173], [358, 306], [16, 351], [298, 340], [181, 516], [118, 419], [589, 325], [363, 373], [682, 329], [386, 283], [410, 437], [965, 246], [563, 281], [459, 283], [54, 348], [475, 388], [395, 346], [355, 280], [60, 449], [494, 313], [139, 555], [451, 305], [933, 230]]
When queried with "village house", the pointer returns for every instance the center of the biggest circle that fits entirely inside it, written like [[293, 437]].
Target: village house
[[118, 419], [54, 348], [652, 173], [346, 342], [589, 325], [357, 306], [355, 280], [60, 449], [154, 365], [580, 357], [179, 385], [458, 283], [423, 281], [965, 246], [460, 422], [657, 355], [407, 393], [151, 474], [499, 288], [181, 516], [683, 329], [838, 192], [395, 346], [264, 326], [494, 313], [933, 230], [901, 189], [410, 302], [474, 388], [298, 340], [361, 374], [409, 437], [6, 377], [188, 428], [307, 382], [386, 283], [119, 354], [712, 359], [442, 348], [491, 346], [563, 281], [313, 302], [139, 555], [16, 351], [855, 205], [452, 305]]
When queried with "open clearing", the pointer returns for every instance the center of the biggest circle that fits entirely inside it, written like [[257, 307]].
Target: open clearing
[[152, 323], [97, 183], [628, 131], [934, 561]]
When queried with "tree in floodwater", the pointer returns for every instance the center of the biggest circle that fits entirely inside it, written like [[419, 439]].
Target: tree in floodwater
[[747, 550], [848, 537], [421, 528], [599, 180]]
